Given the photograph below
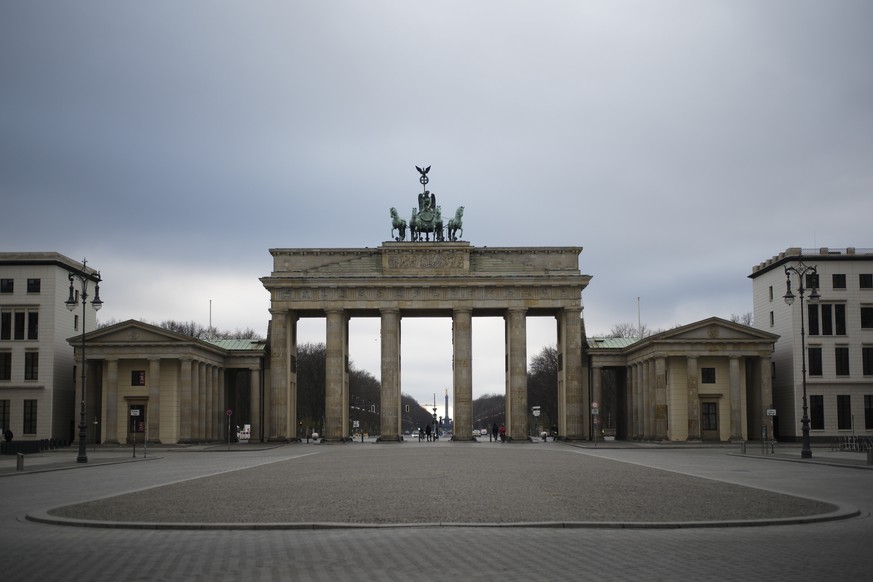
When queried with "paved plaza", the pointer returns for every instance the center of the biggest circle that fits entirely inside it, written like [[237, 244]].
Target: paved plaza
[[412, 511]]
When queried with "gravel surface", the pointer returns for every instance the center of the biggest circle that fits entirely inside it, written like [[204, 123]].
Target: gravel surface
[[409, 484]]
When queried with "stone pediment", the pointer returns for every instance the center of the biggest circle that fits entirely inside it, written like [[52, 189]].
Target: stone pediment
[[133, 332], [714, 328]]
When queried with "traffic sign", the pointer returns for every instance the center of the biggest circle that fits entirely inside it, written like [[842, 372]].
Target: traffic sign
[[771, 412], [134, 411], [594, 405], [229, 412]]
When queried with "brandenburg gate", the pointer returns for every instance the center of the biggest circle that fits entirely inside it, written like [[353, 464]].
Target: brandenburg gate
[[425, 279], [443, 277]]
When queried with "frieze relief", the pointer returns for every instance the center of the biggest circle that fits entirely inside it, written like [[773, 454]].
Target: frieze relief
[[416, 261], [352, 295]]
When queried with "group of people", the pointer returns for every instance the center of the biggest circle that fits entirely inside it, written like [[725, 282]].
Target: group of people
[[497, 433], [428, 433]]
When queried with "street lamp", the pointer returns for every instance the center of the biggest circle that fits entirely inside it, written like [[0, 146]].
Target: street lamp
[[83, 277], [803, 272]]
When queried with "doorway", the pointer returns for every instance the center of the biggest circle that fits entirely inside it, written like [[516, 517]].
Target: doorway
[[709, 420], [136, 424]]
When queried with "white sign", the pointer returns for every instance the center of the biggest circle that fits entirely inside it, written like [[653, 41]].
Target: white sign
[[595, 411], [771, 412], [594, 405], [536, 412], [134, 411]]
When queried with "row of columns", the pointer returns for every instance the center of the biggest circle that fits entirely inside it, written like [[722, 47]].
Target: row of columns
[[201, 393], [284, 384], [647, 391]]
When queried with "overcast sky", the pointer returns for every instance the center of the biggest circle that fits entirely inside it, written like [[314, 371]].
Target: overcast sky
[[678, 142]]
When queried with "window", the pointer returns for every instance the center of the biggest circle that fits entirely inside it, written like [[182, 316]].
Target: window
[[707, 375], [841, 359], [708, 415], [840, 318], [33, 325], [76, 322], [137, 378], [7, 285], [867, 317], [865, 281], [867, 360], [5, 367], [31, 365], [868, 411], [19, 325], [812, 318], [770, 291], [4, 413], [6, 325], [812, 281], [814, 356], [29, 417], [838, 281], [772, 320], [33, 285], [827, 320], [844, 412], [816, 412]]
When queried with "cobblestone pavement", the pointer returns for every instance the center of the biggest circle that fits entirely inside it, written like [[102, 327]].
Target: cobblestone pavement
[[816, 551]]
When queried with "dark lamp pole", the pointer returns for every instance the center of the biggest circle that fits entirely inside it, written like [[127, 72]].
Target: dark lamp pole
[[802, 271], [72, 303]]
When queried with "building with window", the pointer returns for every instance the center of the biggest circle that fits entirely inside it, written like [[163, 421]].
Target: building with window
[[839, 340], [37, 399]]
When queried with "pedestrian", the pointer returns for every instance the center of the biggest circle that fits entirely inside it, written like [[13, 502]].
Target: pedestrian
[[494, 431], [7, 434], [502, 431], [420, 434], [427, 432]]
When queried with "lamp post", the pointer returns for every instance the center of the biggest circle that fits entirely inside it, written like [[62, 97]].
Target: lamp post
[[83, 277], [802, 271]]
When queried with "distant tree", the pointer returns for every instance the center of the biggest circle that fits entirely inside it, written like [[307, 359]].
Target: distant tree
[[196, 330], [630, 330], [489, 409], [542, 385], [744, 319]]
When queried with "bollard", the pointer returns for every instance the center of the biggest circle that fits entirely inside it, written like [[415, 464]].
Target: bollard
[[870, 456], [19, 462], [743, 447]]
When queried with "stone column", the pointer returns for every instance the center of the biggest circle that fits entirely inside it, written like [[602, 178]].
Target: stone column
[[597, 396], [209, 428], [276, 417], [280, 405], [185, 387], [111, 422], [220, 401], [736, 401], [390, 398], [255, 403], [661, 397], [516, 351], [200, 419], [766, 393], [561, 421], [631, 415], [154, 405], [335, 376], [576, 399], [648, 400], [693, 385], [462, 369]]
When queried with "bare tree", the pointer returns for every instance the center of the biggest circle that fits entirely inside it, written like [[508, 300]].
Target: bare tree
[[747, 318], [630, 330]]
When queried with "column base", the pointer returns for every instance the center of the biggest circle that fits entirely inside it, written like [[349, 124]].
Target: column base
[[392, 438]]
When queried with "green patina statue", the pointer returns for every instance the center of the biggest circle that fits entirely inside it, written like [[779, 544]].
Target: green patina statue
[[427, 218]]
